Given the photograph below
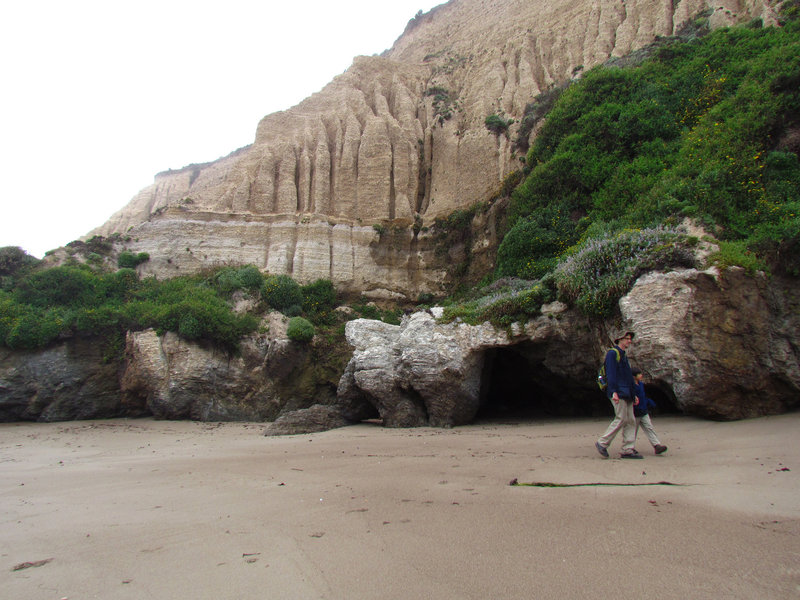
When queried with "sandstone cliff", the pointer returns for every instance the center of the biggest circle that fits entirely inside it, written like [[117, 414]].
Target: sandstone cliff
[[397, 140]]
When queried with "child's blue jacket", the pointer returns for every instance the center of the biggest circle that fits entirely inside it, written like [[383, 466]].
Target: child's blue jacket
[[645, 403]]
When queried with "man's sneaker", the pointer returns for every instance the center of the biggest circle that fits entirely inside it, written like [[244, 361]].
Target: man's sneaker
[[603, 452], [631, 455], [660, 449]]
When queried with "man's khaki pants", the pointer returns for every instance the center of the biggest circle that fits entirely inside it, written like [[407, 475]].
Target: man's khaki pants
[[624, 420]]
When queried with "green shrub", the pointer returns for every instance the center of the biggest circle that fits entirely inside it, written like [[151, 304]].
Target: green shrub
[[497, 124], [736, 254], [368, 310], [120, 285], [295, 310], [532, 247], [502, 303], [602, 270], [250, 277], [99, 245], [34, 329], [281, 291], [443, 103], [318, 296], [14, 259], [129, 260], [300, 330], [778, 241], [70, 300], [230, 279], [189, 327], [59, 286]]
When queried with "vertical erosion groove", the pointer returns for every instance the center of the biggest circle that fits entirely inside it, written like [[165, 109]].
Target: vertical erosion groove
[[392, 192], [276, 173], [331, 253], [298, 165]]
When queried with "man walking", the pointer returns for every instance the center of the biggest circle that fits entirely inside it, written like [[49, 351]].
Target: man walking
[[621, 392]]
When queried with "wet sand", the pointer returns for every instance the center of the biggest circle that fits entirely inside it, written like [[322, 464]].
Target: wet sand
[[154, 509]]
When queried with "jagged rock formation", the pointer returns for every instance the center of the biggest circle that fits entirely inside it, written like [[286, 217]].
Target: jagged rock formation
[[398, 140], [725, 346], [345, 185]]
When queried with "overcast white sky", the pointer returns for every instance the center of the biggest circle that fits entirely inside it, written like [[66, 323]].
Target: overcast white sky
[[96, 97]]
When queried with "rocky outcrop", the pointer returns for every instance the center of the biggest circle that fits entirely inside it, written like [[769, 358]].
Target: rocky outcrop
[[270, 376], [426, 373], [171, 378], [396, 141], [718, 345], [68, 381], [308, 420], [723, 346]]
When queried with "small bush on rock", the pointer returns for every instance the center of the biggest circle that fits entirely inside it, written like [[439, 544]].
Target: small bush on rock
[[129, 260], [300, 329]]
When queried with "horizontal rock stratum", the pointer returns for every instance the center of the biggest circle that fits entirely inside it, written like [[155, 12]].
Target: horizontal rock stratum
[[393, 143]]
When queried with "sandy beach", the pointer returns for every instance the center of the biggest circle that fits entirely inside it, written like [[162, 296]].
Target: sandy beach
[[153, 509]]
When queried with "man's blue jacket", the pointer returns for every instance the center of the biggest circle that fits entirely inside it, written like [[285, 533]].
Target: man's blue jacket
[[619, 375]]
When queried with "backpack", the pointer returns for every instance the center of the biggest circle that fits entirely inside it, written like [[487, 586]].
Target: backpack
[[602, 382]]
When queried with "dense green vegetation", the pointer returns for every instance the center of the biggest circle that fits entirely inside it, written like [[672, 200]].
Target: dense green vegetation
[[707, 129], [40, 305], [497, 124], [48, 304]]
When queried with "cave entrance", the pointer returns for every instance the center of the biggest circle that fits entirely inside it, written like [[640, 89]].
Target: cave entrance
[[516, 385], [662, 394]]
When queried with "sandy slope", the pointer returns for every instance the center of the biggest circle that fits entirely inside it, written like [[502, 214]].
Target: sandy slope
[[147, 509]]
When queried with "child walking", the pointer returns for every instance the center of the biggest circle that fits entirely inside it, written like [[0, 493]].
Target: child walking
[[642, 413]]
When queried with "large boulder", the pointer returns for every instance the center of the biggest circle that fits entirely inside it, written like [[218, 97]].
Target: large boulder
[[71, 380], [427, 373], [725, 343]]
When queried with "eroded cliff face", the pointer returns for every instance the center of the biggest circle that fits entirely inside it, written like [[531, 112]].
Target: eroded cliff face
[[397, 140]]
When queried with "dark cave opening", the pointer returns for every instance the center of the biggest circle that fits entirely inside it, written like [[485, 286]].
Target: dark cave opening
[[516, 385], [662, 395]]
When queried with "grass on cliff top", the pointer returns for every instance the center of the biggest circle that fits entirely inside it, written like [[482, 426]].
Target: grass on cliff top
[[707, 129]]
